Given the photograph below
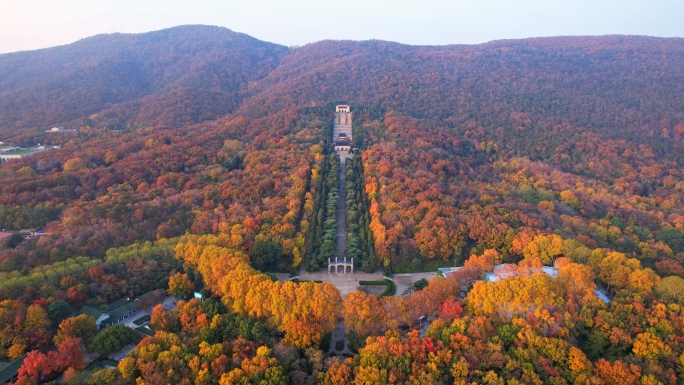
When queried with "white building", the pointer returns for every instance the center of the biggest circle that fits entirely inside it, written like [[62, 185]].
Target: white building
[[4, 149], [18, 153], [60, 129]]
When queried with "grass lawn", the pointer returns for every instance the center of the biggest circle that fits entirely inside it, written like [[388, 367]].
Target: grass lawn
[[339, 345], [21, 152]]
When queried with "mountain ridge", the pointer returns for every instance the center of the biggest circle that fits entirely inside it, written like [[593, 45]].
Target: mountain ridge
[[159, 61], [190, 74]]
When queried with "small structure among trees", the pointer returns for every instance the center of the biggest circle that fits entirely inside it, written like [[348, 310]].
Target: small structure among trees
[[342, 142], [123, 308], [343, 263]]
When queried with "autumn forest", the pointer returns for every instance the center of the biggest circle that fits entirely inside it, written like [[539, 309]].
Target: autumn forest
[[200, 181]]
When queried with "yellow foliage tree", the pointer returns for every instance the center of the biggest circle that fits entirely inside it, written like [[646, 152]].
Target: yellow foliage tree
[[616, 268], [643, 280], [545, 247], [517, 295], [305, 312], [649, 346], [74, 164], [26, 171]]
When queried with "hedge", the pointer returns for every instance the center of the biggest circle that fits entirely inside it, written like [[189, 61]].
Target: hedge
[[296, 280], [390, 289], [325, 342]]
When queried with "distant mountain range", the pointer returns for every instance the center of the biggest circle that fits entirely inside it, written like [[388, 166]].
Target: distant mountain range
[[190, 74]]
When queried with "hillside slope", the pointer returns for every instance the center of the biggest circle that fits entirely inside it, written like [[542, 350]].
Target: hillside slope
[[563, 152], [133, 78], [622, 86]]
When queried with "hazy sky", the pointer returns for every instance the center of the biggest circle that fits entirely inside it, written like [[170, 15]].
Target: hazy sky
[[32, 24]]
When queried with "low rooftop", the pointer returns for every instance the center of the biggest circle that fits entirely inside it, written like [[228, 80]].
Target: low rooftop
[[10, 370], [91, 311]]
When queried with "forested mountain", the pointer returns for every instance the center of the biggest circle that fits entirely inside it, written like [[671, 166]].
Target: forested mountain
[[171, 77], [625, 87], [202, 158]]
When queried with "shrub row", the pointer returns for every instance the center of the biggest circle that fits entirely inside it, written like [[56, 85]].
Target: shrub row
[[391, 288], [296, 280]]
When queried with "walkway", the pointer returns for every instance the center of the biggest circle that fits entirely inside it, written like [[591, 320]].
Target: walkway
[[348, 282], [339, 334], [342, 209], [345, 283], [342, 125]]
